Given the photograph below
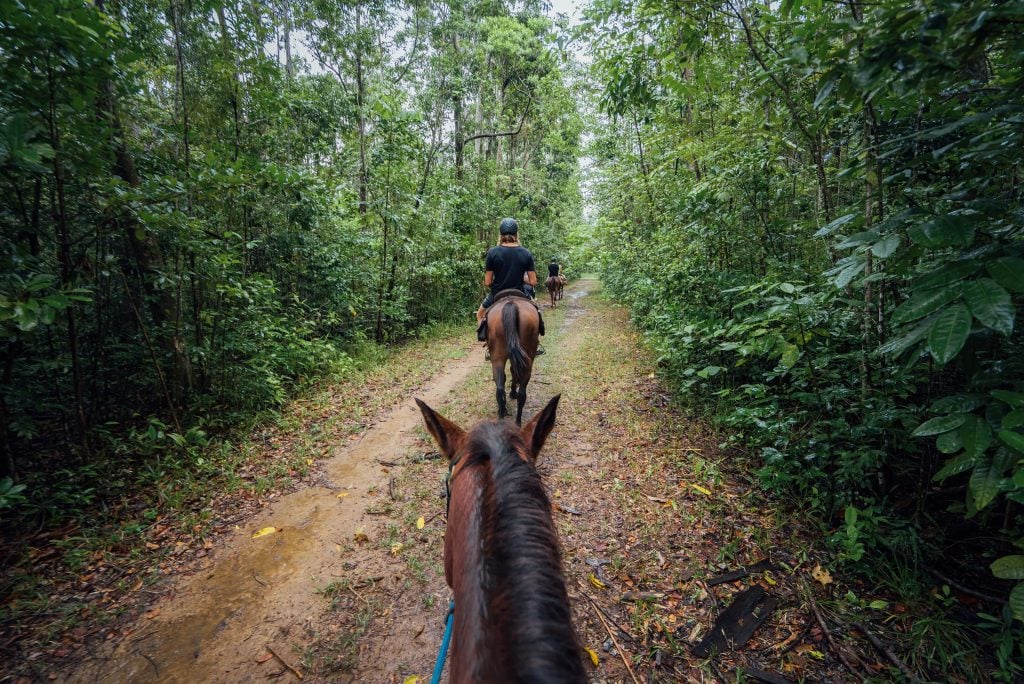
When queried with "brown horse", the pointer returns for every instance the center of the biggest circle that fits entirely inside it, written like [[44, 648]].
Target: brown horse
[[554, 285], [512, 621], [513, 331]]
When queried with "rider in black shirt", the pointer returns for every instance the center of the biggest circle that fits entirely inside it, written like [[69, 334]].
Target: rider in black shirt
[[509, 266]]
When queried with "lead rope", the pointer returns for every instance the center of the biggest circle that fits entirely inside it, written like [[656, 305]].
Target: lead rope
[[442, 655]]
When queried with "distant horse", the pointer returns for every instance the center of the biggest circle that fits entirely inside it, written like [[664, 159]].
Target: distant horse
[[512, 621], [513, 331], [554, 285]]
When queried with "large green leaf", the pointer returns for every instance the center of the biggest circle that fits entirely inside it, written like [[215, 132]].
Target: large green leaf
[[1008, 272], [952, 230], [1014, 440], [990, 304], [949, 442], [976, 436], [886, 246], [936, 426], [1008, 567], [1015, 399], [955, 466], [924, 302], [984, 483], [949, 332], [950, 273], [1017, 602]]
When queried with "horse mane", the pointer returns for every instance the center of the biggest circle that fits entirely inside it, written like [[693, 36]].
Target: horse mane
[[521, 575]]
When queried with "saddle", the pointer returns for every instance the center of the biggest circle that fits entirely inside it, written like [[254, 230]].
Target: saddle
[[481, 332]]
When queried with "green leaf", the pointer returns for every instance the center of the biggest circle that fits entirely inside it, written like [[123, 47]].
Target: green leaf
[[1017, 602], [1008, 567], [976, 436], [1013, 419], [922, 303], [858, 239], [948, 274], [984, 484], [937, 426], [1014, 440], [951, 230], [1015, 399], [949, 442], [990, 304], [1008, 272], [850, 272], [837, 223], [949, 332], [886, 246], [955, 466], [790, 355]]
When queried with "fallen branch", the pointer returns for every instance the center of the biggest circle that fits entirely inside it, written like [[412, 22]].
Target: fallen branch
[[284, 662], [828, 634], [884, 650], [388, 464], [615, 642], [962, 589]]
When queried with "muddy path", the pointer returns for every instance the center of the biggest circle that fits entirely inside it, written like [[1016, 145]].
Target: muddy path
[[349, 584]]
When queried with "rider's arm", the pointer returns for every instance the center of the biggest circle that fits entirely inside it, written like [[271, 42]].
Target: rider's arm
[[488, 278], [531, 278]]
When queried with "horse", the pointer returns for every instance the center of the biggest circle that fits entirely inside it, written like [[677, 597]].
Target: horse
[[513, 331], [512, 620], [554, 285]]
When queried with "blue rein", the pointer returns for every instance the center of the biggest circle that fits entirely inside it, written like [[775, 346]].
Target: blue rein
[[442, 655]]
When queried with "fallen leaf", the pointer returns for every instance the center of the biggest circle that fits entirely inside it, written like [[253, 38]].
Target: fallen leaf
[[360, 536], [821, 576], [703, 490], [412, 679], [657, 499], [420, 523], [596, 582], [768, 578], [265, 657], [593, 657], [264, 532], [396, 548], [151, 546], [816, 654], [309, 461], [152, 613], [342, 495]]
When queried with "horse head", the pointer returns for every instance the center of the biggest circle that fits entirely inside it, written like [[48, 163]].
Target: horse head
[[512, 620]]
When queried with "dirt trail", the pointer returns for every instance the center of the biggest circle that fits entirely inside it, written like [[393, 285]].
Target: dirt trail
[[258, 591], [351, 588]]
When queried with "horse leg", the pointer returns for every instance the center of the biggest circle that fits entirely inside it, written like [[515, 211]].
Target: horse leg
[[520, 401], [498, 372]]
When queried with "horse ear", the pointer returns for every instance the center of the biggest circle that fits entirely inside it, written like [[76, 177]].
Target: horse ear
[[447, 434], [536, 432]]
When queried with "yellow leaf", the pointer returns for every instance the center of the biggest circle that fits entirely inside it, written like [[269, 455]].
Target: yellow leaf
[[596, 582], [420, 523], [821, 575], [593, 657], [769, 580], [309, 461], [703, 490], [360, 536], [264, 532], [816, 654], [342, 495], [396, 548], [412, 679]]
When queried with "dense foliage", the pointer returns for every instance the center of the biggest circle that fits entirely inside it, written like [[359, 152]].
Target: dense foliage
[[815, 211], [206, 201]]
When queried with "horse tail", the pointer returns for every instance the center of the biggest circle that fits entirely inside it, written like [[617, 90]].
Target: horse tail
[[516, 355]]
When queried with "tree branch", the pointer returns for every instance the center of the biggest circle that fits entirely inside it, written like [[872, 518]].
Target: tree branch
[[502, 133]]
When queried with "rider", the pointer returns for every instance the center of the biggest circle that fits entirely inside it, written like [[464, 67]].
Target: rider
[[510, 266], [555, 270]]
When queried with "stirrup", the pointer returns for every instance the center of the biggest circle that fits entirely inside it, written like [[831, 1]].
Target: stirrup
[[481, 330], [540, 349]]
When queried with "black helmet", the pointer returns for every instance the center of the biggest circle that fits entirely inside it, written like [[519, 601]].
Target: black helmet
[[509, 227]]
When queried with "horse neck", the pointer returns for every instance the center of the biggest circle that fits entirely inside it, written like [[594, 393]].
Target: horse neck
[[521, 629]]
